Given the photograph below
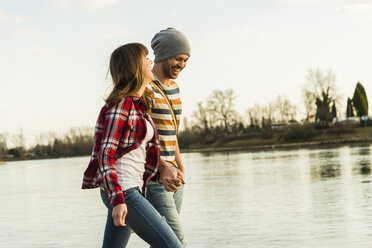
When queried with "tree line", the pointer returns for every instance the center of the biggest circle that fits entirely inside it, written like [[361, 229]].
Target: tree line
[[76, 142], [216, 119]]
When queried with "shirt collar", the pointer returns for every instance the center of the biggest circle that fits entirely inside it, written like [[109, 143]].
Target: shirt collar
[[138, 100]]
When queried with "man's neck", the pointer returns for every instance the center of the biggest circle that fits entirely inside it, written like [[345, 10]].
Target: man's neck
[[157, 71]]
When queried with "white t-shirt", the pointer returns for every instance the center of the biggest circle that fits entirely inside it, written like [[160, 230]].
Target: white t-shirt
[[131, 166]]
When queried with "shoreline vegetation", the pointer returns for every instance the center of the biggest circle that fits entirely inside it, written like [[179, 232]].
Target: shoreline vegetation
[[283, 146], [294, 137], [299, 136], [217, 127], [76, 142]]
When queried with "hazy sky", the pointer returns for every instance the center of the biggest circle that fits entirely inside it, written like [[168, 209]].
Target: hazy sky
[[54, 53]]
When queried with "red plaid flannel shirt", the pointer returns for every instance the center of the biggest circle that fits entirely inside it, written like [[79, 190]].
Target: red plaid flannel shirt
[[120, 129]]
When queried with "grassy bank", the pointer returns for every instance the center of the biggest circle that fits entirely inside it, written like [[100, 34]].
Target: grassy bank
[[290, 138]]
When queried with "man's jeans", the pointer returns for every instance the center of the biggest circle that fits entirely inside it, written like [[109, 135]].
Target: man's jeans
[[143, 218], [168, 205]]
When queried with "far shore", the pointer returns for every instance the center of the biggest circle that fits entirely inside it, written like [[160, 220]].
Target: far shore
[[301, 137], [231, 147], [284, 146]]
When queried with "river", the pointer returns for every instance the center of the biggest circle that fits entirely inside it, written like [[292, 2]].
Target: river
[[293, 198]]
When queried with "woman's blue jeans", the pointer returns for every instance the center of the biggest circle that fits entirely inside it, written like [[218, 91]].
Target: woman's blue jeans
[[143, 218]]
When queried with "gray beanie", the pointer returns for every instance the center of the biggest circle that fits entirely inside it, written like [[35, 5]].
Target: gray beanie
[[169, 43]]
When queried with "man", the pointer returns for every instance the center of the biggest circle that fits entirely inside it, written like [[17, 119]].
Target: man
[[172, 51]]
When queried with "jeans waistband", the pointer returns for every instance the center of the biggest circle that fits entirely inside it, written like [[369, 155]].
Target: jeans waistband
[[130, 190], [126, 191]]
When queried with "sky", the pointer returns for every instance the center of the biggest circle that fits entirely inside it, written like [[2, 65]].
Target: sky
[[54, 53]]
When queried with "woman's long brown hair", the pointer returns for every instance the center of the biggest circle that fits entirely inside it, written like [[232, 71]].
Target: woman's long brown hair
[[126, 74]]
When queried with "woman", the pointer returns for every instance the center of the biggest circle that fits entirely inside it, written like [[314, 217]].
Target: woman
[[126, 153]]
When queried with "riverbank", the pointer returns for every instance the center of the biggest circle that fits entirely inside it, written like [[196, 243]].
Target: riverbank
[[284, 146], [320, 138], [38, 158], [278, 140]]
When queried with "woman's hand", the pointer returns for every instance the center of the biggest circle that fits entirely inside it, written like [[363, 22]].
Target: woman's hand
[[181, 175], [171, 177], [172, 184], [118, 214]]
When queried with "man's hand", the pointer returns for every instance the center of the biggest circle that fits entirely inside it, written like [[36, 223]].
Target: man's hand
[[181, 175], [118, 214], [171, 177], [171, 185]]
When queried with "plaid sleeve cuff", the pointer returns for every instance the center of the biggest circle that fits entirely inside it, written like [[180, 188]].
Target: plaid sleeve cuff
[[118, 199]]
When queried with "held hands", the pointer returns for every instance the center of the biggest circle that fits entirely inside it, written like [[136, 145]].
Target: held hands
[[118, 214], [173, 184], [171, 177]]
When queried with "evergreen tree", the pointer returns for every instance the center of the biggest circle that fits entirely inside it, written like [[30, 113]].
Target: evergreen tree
[[349, 108], [334, 111], [360, 100], [323, 111]]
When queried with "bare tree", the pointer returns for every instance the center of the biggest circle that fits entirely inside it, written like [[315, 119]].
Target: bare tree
[[286, 110], [19, 140], [186, 123], [268, 113], [309, 103], [202, 117], [45, 138], [237, 123], [255, 115], [221, 106], [320, 91]]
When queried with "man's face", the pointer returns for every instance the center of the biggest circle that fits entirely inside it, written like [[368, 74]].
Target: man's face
[[173, 66]]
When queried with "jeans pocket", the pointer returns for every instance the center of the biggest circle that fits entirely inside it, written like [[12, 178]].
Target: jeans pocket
[[130, 195]]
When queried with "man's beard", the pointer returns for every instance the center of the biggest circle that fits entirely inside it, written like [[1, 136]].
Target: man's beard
[[167, 70]]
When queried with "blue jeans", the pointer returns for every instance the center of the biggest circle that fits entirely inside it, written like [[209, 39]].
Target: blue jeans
[[143, 218], [168, 204]]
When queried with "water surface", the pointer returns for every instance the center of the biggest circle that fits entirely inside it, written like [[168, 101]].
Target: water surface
[[297, 198]]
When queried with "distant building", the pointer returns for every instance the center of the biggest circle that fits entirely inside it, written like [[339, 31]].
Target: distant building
[[278, 125], [348, 120]]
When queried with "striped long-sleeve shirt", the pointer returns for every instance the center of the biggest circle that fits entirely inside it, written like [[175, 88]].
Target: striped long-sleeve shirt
[[163, 119]]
